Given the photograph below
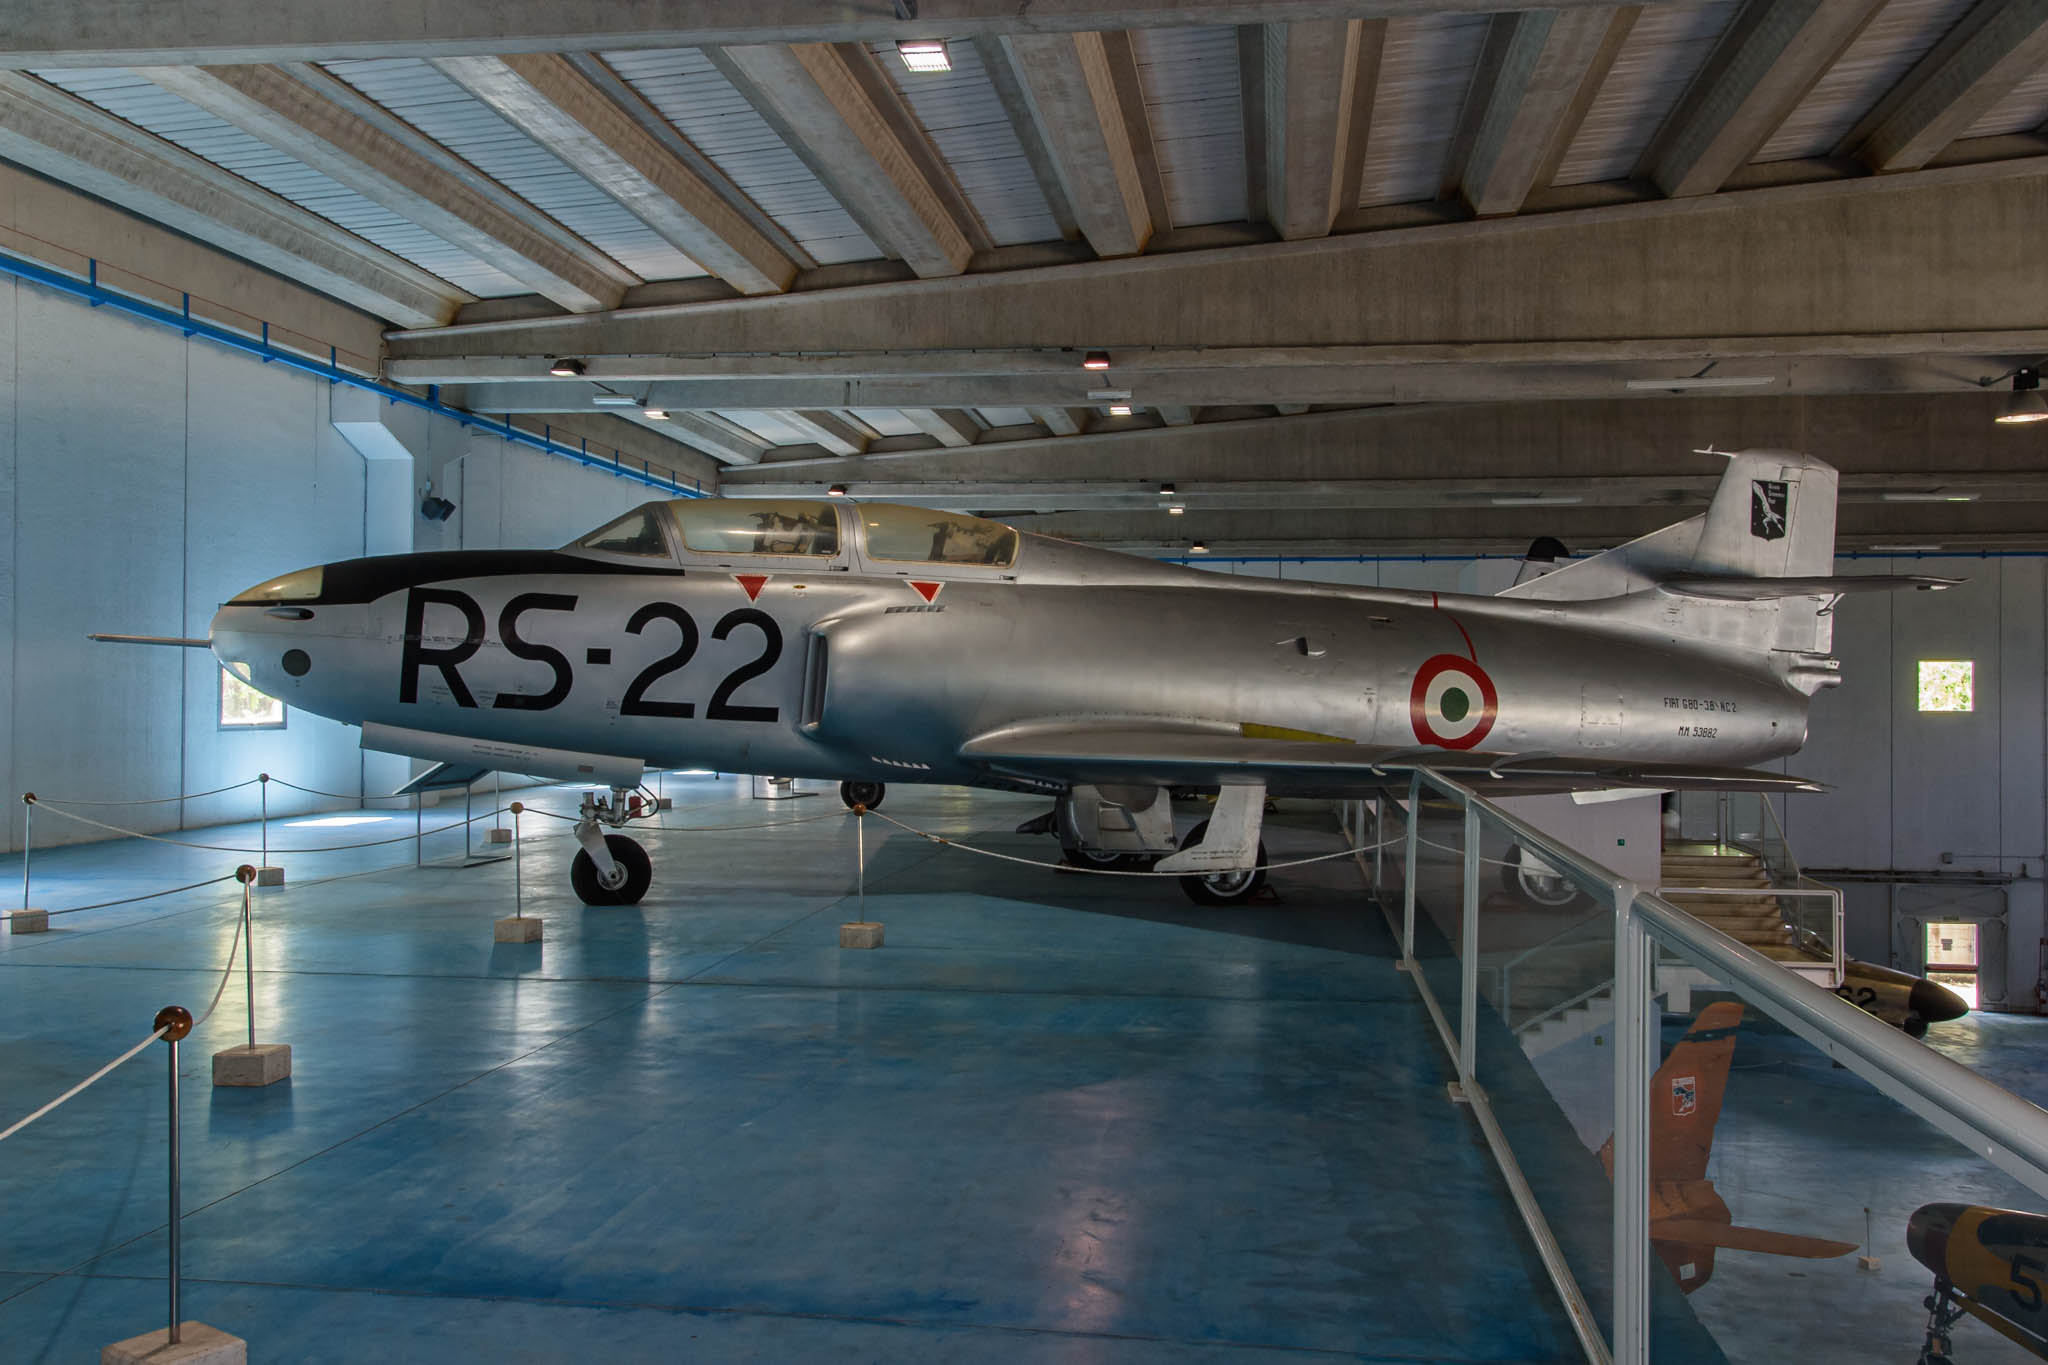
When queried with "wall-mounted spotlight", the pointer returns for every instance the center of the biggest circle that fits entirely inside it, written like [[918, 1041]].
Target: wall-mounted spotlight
[[436, 509], [1095, 360], [566, 368], [924, 55], [2027, 403]]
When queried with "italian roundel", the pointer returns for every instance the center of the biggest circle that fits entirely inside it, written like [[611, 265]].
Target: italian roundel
[[1453, 703]]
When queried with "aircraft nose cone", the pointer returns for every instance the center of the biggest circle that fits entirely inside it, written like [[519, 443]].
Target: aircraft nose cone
[[1936, 1003], [1927, 1234]]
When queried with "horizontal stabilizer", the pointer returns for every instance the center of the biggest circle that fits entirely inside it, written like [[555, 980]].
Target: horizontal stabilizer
[[174, 641], [1701, 1232], [1727, 588], [1189, 756], [444, 777]]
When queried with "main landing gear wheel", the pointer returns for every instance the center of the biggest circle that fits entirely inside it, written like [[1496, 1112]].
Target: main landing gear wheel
[[634, 869], [1533, 883], [867, 794], [1222, 888]]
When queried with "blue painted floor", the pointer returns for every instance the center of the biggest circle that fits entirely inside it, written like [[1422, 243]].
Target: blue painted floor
[[1057, 1118]]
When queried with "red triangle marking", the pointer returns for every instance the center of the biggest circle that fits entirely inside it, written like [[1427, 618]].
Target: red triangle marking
[[927, 591], [753, 583]]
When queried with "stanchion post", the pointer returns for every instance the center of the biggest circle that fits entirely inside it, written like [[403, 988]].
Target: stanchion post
[[192, 1342], [28, 920], [517, 927], [251, 1065], [863, 932], [266, 874]]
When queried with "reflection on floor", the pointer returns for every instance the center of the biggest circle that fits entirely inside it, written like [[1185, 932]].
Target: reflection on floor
[[1056, 1118]]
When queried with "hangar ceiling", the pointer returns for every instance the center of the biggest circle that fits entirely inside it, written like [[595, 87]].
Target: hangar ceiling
[[1369, 276]]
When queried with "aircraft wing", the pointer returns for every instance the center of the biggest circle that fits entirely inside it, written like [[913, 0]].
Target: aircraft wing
[[1290, 761], [1701, 1232]]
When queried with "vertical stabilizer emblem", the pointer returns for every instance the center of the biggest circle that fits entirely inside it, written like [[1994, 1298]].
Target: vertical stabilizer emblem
[[1767, 509]]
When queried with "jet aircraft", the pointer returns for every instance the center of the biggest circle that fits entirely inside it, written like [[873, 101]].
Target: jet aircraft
[[1905, 1001], [1989, 1263], [1688, 1218], [871, 643]]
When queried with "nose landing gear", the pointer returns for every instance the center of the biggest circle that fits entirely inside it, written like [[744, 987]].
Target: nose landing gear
[[610, 869]]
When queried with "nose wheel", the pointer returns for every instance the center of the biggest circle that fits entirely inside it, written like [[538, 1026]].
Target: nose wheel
[[867, 794], [631, 872]]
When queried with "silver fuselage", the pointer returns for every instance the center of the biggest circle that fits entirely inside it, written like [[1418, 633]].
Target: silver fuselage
[[848, 669]]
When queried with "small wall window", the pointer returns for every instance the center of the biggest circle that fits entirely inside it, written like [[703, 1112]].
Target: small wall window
[[242, 707], [1948, 685]]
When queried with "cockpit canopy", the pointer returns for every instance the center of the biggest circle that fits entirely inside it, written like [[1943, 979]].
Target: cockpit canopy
[[801, 527]]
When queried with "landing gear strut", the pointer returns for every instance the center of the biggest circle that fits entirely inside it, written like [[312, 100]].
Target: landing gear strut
[[610, 869]]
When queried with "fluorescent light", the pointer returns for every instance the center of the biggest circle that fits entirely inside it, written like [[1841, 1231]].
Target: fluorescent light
[[924, 54], [1902, 549], [336, 821], [614, 400], [655, 414], [1109, 395], [566, 368], [1095, 360], [1198, 548], [1706, 381], [2026, 406], [1537, 500], [1119, 409], [1175, 509], [1928, 497]]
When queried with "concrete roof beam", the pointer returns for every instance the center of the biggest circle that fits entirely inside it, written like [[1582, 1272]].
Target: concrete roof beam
[[549, 100], [815, 97], [1552, 63], [1071, 87], [272, 105], [1765, 63], [1308, 103], [1996, 46], [826, 430], [949, 427], [79, 145]]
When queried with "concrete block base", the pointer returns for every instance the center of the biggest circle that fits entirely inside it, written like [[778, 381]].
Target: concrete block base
[[662, 803], [516, 929], [270, 876], [29, 921], [198, 1344], [263, 1064], [497, 836], [860, 934]]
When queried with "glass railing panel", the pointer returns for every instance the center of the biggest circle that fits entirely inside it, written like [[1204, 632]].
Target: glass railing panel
[[1544, 1046], [1801, 1213], [1439, 896]]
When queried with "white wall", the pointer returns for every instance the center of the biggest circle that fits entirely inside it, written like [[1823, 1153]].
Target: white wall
[[146, 477]]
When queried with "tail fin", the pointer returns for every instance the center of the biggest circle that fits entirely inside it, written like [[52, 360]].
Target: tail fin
[[1773, 516], [1686, 1092]]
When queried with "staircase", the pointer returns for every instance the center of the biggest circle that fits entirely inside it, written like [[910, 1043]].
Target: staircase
[[1754, 919]]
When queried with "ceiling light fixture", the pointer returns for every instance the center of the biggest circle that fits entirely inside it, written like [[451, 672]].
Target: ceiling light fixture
[[1198, 548], [1165, 490], [1175, 509], [1537, 500], [1897, 496], [566, 368], [1119, 409], [614, 400], [2027, 403], [1903, 549], [1095, 360], [655, 414], [837, 490], [924, 55], [1705, 381]]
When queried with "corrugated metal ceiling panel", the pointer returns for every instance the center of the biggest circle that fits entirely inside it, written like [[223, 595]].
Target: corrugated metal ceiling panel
[[1658, 60], [2022, 111], [1195, 101], [418, 93], [1885, 51], [963, 116], [701, 103], [131, 98], [1424, 72]]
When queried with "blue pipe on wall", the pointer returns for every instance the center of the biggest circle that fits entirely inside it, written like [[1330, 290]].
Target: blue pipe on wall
[[91, 291]]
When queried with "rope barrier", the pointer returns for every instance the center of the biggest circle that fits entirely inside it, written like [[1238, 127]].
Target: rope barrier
[[165, 800], [706, 829], [339, 796], [96, 1076], [232, 848], [130, 900]]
